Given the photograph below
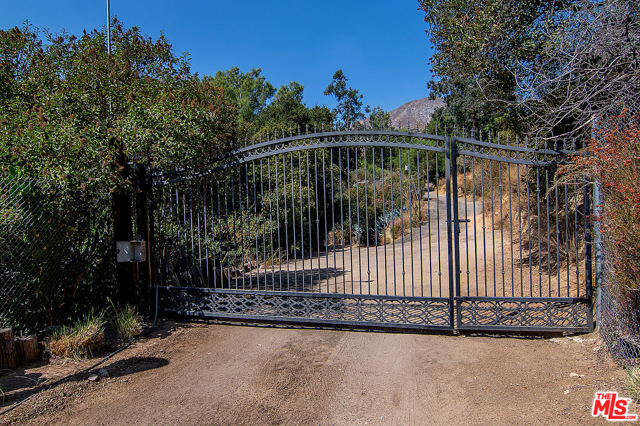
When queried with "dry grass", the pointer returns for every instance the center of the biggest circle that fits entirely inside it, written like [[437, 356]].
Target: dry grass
[[341, 237], [278, 257], [463, 180], [401, 226], [81, 340], [548, 224]]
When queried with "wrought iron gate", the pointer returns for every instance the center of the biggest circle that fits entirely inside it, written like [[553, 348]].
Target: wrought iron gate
[[377, 228]]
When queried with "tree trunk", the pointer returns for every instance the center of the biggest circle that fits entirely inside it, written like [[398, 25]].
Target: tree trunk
[[8, 357], [27, 349]]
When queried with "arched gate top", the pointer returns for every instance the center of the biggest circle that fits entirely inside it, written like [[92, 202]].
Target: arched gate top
[[504, 152]]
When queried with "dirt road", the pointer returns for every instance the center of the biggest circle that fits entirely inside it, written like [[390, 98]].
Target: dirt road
[[493, 263], [415, 264], [228, 374]]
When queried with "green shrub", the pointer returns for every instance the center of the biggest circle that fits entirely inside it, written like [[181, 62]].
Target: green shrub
[[127, 322]]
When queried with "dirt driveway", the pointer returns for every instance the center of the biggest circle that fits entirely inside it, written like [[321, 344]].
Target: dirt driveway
[[229, 374]]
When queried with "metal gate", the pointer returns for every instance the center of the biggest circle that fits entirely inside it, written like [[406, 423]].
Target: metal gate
[[377, 229]]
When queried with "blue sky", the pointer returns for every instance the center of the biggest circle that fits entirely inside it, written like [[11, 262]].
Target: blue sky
[[380, 45]]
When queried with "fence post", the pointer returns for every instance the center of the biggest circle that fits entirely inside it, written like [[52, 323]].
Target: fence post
[[598, 201], [599, 253]]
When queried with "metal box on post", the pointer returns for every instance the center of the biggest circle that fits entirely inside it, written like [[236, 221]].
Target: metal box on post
[[131, 251]]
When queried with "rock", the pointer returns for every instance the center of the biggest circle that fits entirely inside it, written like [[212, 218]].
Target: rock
[[93, 378], [103, 373]]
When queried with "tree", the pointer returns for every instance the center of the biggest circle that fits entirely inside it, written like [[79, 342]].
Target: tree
[[478, 45], [590, 68], [348, 111], [68, 109], [469, 111], [546, 67], [287, 110], [379, 119], [250, 92]]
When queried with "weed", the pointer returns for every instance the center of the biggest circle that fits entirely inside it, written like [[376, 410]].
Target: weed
[[633, 383], [80, 340], [127, 322]]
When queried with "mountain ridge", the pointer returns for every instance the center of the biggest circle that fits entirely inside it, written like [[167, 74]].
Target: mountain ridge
[[415, 114]]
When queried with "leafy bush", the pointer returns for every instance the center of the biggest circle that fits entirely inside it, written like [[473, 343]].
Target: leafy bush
[[75, 117]]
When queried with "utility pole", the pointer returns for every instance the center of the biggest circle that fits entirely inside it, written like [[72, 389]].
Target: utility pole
[[109, 27], [121, 208]]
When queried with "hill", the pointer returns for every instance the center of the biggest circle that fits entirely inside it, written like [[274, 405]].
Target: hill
[[415, 114]]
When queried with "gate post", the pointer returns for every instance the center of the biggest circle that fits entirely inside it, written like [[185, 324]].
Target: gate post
[[456, 213], [587, 243], [122, 227], [142, 189], [452, 223]]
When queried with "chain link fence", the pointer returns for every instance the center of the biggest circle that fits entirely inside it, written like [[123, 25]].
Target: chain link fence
[[618, 305], [56, 257], [619, 327], [618, 314]]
